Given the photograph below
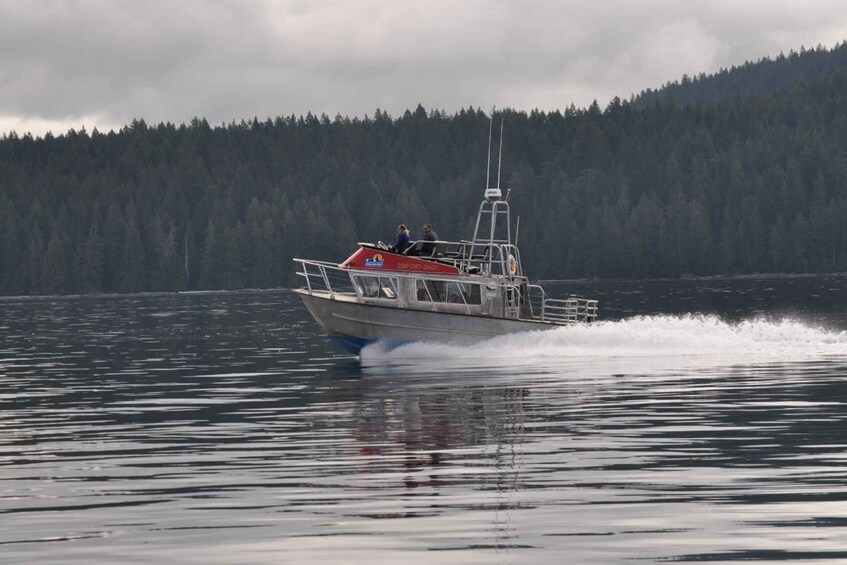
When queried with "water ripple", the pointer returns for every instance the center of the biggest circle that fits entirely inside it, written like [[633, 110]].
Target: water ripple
[[221, 427]]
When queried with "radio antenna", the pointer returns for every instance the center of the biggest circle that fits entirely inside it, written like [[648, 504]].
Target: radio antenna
[[500, 157], [488, 166]]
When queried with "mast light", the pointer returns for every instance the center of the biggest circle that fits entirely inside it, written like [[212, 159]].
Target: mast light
[[493, 194]]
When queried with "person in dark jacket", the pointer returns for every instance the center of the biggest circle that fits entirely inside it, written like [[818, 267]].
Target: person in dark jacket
[[427, 246], [402, 241]]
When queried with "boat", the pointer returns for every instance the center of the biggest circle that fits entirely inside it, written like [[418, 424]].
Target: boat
[[456, 292], [462, 293]]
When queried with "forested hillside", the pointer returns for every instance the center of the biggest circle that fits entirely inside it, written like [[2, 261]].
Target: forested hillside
[[746, 185], [761, 78]]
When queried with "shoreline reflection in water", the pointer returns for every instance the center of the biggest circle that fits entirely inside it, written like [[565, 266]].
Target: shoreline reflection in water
[[222, 427]]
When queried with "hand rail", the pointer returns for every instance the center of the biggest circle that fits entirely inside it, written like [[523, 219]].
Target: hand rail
[[324, 276], [569, 309], [469, 255], [528, 301]]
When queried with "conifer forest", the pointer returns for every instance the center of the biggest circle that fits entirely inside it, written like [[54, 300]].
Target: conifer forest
[[740, 172]]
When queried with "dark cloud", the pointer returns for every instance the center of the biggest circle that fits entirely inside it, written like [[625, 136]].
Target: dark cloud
[[102, 63]]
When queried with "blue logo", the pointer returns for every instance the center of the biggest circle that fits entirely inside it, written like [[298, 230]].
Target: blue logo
[[375, 261]]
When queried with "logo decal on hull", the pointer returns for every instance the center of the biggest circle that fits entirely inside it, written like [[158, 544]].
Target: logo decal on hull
[[375, 261]]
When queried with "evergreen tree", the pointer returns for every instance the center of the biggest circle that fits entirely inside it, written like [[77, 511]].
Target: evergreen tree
[[90, 260], [743, 171]]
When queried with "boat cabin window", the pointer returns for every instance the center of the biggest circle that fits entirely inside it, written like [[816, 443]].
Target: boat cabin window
[[376, 286], [451, 292]]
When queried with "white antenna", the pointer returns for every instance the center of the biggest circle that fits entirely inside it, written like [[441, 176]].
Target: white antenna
[[488, 166], [500, 158]]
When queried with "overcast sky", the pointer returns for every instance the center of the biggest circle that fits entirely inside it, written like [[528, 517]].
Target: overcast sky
[[102, 63]]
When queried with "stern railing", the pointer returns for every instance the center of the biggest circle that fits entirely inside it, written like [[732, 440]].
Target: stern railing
[[569, 310], [572, 309]]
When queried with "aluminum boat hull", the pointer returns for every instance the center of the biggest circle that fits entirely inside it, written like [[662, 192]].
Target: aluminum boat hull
[[354, 324]]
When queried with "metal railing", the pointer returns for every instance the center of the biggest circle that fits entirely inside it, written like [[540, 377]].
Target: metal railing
[[531, 304], [572, 309], [325, 276], [468, 257], [569, 310], [535, 300]]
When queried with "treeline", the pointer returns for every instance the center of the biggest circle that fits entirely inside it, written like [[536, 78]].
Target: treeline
[[760, 78], [748, 185]]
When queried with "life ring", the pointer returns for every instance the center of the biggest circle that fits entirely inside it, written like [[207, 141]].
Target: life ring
[[513, 264]]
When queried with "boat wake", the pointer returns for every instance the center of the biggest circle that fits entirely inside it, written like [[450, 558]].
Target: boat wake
[[690, 336]]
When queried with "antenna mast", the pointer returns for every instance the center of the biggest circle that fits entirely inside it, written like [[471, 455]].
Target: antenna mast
[[488, 166], [500, 157]]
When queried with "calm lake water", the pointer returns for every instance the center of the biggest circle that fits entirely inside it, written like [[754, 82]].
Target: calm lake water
[[222, 428]]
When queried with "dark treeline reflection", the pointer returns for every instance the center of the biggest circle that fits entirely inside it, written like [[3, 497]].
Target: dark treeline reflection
[[747, 184], [215, 427]]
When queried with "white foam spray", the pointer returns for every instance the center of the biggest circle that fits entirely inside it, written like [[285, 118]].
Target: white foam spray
[[639, 338]]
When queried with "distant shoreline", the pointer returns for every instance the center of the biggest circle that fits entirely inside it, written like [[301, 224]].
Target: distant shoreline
[[765, 276], [697, 278]]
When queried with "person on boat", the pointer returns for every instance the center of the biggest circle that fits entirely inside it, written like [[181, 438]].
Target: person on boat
[[403, 240], [427, 246]]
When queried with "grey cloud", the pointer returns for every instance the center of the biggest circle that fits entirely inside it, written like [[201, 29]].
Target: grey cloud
[[170, 61]]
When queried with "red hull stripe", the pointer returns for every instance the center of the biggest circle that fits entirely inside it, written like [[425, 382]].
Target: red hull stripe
[[379, 260]]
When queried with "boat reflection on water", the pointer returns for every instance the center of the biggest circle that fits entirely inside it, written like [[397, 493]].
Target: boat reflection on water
[[227, 437], [424, 439]]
